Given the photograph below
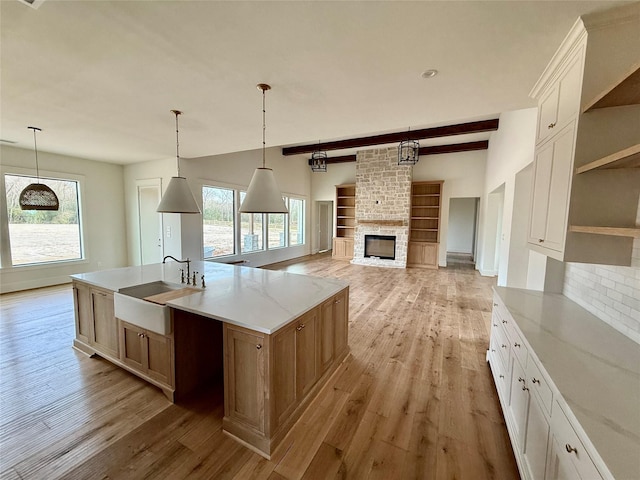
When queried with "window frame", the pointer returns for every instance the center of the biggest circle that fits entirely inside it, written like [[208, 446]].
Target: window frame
[[235, 207], [6, 257]]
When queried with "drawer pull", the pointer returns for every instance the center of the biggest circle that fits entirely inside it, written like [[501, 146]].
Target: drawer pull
[[551, 125], [495, 324], [524, 388], [504, 321], [495, 304], [493, 350], [258, 346], [520, 379], [503, 346], [571, 449], [299, 327], [501, 376], [541, 240], [517, 345], [338, 301], [535, 380]]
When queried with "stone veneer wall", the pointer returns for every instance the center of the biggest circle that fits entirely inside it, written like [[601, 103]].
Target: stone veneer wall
[[383, 192]]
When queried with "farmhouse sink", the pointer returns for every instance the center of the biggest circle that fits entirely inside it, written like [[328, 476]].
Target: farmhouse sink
[[143, 305]]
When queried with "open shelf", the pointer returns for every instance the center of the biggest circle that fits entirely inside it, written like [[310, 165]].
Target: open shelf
[[626, 91], [626, 158], [613, 231], [346, 210]]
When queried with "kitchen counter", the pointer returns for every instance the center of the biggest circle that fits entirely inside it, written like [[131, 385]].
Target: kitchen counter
[[253, 298], [596, 369]]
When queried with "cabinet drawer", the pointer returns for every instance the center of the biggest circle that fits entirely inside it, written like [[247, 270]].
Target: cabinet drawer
[[517, 345], [571, 445], [502, 346], [539, 385]]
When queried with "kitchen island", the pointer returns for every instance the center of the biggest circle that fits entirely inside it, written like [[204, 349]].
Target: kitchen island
[[274, 338]]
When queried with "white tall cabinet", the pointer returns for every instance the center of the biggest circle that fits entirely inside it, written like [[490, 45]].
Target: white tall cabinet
[[578, 213]]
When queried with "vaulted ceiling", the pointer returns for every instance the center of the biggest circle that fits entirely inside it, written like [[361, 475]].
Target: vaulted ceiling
[[100, 77]]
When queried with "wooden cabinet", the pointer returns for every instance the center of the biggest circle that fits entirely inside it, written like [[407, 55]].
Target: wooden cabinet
[[148, 352], [345, 221], [424, 227], [96, 326], [586, 177], [333, 329], [270, 379], [343, 248]]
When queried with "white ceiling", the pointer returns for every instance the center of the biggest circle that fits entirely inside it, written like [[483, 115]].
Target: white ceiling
[[100, 77]]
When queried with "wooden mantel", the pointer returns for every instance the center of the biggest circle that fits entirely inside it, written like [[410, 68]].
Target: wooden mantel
[[386, 223]]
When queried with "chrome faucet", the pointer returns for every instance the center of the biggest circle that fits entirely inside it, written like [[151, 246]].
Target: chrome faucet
[[187, 261]]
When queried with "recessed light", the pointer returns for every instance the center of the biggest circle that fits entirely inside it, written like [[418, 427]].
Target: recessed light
[[429, 73]]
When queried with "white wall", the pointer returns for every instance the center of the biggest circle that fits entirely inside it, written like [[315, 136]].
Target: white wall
[[511, 149], [230, 170], [103, 217], [462, 219]]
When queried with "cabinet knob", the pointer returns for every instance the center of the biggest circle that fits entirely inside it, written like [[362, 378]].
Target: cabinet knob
[[495, 324], [571, 449], [299, 327], [504, 321], [541, 240], [551, 125], [535, 380], [503, 346], [517, 345], [258, 346], [524, 388], [493, 350], [338, 301], [520, 379], [501, 376], [495, 304]]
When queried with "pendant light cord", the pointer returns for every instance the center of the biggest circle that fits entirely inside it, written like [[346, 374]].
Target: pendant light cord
[[264, 129], [35, 147], [177, 112]]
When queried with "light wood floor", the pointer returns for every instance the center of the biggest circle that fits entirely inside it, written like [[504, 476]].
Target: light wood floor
[[414, 400]]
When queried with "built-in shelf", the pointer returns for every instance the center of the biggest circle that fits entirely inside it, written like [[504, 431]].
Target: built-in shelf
[[613, 231], [626, 91], [626, 158]]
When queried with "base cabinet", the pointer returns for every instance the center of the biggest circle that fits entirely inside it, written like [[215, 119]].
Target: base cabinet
[[422, 254], [148, 352], [342, 248], [545, 444], [270, 379], [96, 325]]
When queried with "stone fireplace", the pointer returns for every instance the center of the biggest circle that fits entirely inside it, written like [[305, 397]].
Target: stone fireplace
[[380, 246], [383, 205]]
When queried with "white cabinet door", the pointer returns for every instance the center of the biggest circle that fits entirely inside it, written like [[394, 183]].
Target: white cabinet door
[[535, 445], [519, 404], [540, 195]]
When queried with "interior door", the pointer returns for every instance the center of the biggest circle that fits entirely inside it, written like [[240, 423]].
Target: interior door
[[325, 225], [150, 222]]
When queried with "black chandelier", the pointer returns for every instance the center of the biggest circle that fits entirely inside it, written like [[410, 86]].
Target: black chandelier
[[408, 151]]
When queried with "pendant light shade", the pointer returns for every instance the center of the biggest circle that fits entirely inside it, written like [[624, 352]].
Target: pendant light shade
[[178, 197], [38, 196], [263, 194]]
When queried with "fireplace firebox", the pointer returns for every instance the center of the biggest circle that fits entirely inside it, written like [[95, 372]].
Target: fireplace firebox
[[380, 246]]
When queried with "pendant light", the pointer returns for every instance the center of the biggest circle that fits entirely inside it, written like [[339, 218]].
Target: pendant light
[[38, 196], [263, 194], [319, 161], [408, 151], [178, 197]]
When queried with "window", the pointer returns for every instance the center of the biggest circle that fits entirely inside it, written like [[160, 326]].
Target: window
[[218, 221], [276, 229], [40, 236], [251, 230], [296, 221]]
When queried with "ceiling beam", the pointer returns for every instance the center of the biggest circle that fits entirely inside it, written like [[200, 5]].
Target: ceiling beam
[[433, 150], [434, 132]]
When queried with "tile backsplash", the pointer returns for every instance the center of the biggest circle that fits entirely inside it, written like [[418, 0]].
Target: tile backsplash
[[610, 292]]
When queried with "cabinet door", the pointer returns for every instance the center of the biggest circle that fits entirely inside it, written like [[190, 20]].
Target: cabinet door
[[519, 403], [307, 365], [536, 438], [348, 247], [245, 377], [548, 113], [284, 373], [559, 466], [540, 194], [326, 333], [105, 326], [83, 312], [340, 322], [559, 189], [158, 351], [132, 349]]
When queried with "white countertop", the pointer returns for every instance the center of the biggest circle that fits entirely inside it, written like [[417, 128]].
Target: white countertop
[[261, 300], [595, 367]]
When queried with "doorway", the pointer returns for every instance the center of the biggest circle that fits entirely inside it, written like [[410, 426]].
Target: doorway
[[149, 221], [325, 225], [462, 231]]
